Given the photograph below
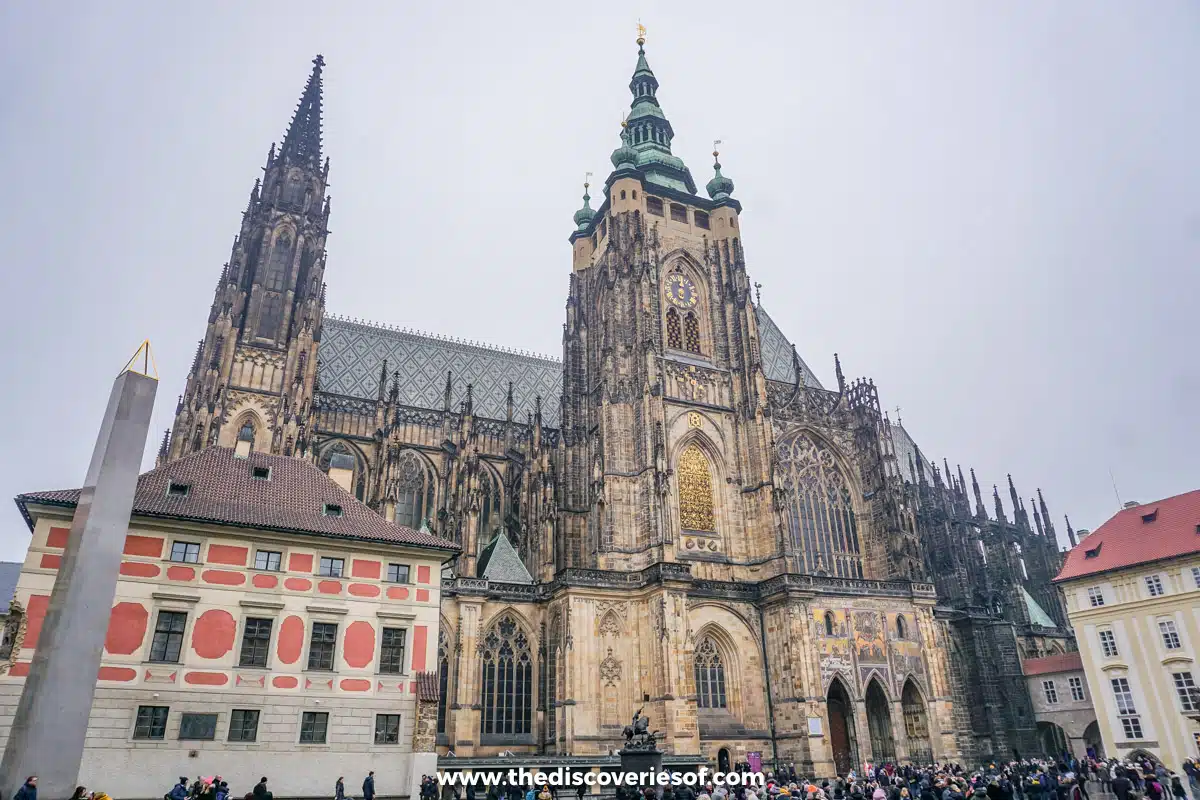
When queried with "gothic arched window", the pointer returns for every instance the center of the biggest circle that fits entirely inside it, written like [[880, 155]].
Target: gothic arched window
[[489, 507], [829, 623], [281, 262], [413, 490], [820, 510], [695, 492], [901, 628], [507, 680], [691, 333], [674, 332], [710, 675], [271, 316], [443, 681]]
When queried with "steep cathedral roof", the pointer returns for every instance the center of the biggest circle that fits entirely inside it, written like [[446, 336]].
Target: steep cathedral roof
[[499, 562], [352, 355], [776, 352]]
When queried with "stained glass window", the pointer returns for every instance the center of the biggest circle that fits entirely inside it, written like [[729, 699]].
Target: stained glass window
[[489, 508], [271, 317], [695, 491], [674, 334], [710, 675], [413, 490], [691, 333], [507, 680], [820, 511]]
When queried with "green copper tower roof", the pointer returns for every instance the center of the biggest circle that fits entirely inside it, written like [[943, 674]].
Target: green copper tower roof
[[720, 187], [584, 216], [648, 133]]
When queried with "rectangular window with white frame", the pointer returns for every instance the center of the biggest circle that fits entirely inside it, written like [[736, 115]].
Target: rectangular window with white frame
[[1170, 636], [1131, 723], [331, 567], [1051, 692], [1077, 693], [185, 552], [1196, 577], [314, 727], [1154, 586], [322, 645], [1095, 596], [1108, 644], [270, 560], [1189, 694]]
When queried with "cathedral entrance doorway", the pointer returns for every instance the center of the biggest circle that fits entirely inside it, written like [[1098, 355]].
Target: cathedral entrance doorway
[[841, 727], [723, 760], [879, 723], [916, 725]]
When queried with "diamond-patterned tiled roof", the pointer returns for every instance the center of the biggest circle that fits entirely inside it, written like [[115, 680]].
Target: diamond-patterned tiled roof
[[499, 562], [221, 488], [352, 354], [777, 352]]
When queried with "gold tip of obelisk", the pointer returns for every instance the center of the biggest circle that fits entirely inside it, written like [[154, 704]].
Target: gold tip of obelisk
[[142, 362]]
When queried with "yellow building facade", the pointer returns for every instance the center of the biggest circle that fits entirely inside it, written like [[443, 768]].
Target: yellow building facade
[[1133, 597]]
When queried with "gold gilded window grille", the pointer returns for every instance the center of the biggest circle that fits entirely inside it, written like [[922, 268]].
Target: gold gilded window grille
[[674, 334], [695, 492], [691, 333]]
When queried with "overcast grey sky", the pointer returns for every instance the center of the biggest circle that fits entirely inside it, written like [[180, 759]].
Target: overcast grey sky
[[991, 208]]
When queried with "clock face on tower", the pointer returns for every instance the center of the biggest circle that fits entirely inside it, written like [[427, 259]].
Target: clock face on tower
[[681, 292]]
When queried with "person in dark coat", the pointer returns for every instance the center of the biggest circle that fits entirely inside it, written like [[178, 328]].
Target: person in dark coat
[[179, 791], [28, 790], [1121, 785], [260, 790], [369, 786], [339, 788]]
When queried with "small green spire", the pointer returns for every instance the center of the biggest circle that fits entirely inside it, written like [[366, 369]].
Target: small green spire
[[649, 132], [720, 187], [624, 157], [584, 216]]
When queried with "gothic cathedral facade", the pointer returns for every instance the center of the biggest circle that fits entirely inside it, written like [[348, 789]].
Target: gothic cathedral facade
[[677, 515]]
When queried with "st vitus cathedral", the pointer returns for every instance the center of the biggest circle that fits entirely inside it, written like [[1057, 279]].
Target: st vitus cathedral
[[677, 515]]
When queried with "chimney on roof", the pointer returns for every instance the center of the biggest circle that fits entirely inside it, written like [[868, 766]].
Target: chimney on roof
[[1131, 504], [1082, 533]]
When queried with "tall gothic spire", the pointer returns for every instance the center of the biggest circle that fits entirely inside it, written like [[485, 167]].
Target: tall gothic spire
[[648, 132], [302, 143]]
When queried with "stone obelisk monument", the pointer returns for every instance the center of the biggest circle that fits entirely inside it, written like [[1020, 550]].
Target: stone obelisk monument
[[48, 731]]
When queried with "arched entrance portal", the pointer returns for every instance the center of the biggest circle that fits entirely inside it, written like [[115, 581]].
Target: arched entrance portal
[[1092, 740], [841, 727], [879, 723], [723, 760], [916, 724], [1053, 740]]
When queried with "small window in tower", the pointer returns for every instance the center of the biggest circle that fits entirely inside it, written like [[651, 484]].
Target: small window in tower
[[679, 213], [622, 194], [701, 220], [635, 198], [175, 489], [829, 623], [654, 205]]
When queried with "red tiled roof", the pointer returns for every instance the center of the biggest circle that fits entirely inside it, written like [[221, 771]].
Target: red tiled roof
[[1126, 539], [222, 490], [1059, 662]]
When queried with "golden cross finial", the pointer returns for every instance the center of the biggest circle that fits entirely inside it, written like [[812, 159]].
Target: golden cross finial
[[641, 39]]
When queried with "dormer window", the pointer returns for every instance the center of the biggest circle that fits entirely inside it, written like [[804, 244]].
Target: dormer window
[[177, 489], [1147, 518], [1094, 552], [260, 473], [332, 510]]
